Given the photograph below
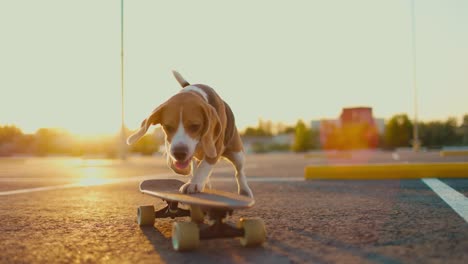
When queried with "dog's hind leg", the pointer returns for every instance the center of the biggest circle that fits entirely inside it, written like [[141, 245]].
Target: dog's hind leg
[[238, 160]]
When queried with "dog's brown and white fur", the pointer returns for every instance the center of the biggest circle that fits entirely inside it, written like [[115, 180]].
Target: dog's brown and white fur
[[200, 129]]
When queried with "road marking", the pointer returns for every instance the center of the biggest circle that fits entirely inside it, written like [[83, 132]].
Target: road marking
[[146, 177], [457, 201], [40, 189], [84, 184], [261, 179], [55, 179]]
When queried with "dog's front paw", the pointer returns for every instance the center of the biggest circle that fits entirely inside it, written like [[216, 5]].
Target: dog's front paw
[[191, 187]]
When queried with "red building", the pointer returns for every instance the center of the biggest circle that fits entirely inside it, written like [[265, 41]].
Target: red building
[[355, 129], [357, 115]]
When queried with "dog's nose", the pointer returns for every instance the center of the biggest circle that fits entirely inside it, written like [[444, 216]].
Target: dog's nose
[[180, 152]]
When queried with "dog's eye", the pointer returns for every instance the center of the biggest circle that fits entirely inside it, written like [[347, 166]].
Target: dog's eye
[[194, 128], [168, 128]]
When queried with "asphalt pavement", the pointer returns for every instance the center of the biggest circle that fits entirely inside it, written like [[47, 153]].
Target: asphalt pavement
[[62, 210]]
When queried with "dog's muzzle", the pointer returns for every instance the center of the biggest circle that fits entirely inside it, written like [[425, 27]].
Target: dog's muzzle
[[180, 153]]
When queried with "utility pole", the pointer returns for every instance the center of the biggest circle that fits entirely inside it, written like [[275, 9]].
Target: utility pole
[[122, 143], [416, 142]]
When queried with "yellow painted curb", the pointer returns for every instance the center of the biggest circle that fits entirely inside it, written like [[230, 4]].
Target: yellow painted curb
[[387, 171], [453, 153]]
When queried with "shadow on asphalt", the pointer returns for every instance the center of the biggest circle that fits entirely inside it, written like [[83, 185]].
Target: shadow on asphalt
[[346, 247], [210, 251]]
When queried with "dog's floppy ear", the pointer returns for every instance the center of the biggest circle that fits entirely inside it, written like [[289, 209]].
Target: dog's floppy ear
[[211, 132], [153, 119]]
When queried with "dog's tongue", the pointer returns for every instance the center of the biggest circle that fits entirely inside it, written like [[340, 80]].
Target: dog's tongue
[[182, 164]]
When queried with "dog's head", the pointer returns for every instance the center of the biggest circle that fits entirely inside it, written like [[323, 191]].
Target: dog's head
[[188, 122]]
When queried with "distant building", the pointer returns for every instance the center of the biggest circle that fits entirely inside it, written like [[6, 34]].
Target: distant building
[[254, 143], [315, 125], [380, 123], [357, 115], [326, 129], [356, 128], [284, 139]]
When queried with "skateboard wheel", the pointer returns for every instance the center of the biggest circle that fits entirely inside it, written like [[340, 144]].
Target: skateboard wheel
[[145, 215], [196, 214], [185, 236], [254, 232]]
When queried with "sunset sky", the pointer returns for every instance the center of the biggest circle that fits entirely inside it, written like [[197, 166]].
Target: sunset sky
[[60, 60]]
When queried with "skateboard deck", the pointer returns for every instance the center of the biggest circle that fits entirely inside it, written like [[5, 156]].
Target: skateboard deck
[[168, 190]]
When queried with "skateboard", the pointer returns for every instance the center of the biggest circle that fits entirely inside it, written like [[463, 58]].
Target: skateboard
[[214, 205]]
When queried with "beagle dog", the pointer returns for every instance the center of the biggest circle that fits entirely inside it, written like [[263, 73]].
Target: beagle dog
[[199, 129]]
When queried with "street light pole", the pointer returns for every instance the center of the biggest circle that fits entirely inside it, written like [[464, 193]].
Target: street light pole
[[122, 145], [416, 143]]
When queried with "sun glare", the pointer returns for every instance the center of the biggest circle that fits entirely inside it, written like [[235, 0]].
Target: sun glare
[[93, 172], [93, 176], [93, 181]]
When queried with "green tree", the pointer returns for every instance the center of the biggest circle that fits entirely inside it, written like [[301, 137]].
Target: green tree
[[284, 129], [264, 129], [251, 131], [465, 130], [9, 136], [398, 131], [147, 145], [440, 133], [25, 144], [45, 141], [9, 133], [303, 140]]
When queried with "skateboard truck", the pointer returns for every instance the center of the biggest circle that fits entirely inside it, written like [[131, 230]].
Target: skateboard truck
[[218, 228], [171, 210]]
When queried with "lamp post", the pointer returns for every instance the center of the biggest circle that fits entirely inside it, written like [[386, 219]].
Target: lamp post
[[122, 145], [415, 142]]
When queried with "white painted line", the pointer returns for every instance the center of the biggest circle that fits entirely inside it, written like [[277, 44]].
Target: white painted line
[[262, 179], [142, 178], [103, 181], [223, 169], [34, 179], [39, 189], [454, 199], [90, 183]]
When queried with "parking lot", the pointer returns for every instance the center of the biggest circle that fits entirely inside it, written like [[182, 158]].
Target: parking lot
[[84, 210]]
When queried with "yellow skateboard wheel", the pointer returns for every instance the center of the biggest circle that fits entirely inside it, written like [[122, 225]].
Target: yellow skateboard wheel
[[185, 236], [254, 232], [145, 215]]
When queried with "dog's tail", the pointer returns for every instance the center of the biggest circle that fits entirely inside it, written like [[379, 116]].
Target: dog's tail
[[180, 79]]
